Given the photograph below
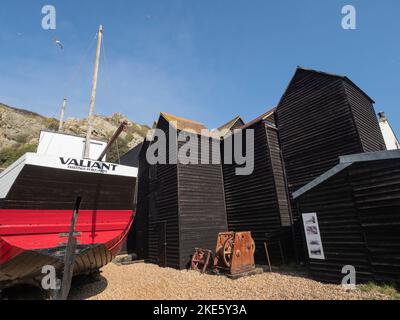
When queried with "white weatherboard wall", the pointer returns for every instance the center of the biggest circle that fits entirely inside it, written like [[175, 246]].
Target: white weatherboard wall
[[63, 145], [388, 135], [8, 176]]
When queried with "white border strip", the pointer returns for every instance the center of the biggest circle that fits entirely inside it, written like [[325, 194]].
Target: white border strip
[[80, 165]]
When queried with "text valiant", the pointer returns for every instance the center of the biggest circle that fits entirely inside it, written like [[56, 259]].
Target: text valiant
[[88, 165]]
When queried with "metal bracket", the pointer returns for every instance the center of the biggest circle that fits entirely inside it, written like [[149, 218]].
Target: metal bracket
[[66, 235]]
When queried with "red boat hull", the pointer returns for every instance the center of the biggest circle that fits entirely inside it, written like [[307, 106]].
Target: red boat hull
[[36, 208], [31, 239]]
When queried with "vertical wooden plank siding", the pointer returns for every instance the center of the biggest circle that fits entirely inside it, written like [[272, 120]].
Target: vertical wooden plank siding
[[341, 231], [321, 117], [163, 209], [138, 237], [365, 119], [376, 188], [359, 215], [186, 205], [257, 202]]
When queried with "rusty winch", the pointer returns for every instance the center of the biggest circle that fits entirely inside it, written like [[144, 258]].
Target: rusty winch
[[201, 260], [235, 253]]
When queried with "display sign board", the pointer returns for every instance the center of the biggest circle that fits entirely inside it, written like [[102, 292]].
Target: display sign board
[[313, 236]]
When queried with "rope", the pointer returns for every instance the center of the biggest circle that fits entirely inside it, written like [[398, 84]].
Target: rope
[[105, 60], [74, 75], [107, 81]]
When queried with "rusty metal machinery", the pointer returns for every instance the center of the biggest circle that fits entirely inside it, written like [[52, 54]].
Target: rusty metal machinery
[[235, 253], [201, 260]]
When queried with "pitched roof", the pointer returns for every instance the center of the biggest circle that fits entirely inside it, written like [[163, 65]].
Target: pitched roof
[[230, 124], [227, 127], [258, 119], [344, 162], [183, 124], [344, 78]]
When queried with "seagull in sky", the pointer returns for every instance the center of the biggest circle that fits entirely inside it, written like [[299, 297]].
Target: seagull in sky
[[58, 43]]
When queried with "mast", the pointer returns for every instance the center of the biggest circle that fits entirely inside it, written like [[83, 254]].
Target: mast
[[93, 94], [63, 107]]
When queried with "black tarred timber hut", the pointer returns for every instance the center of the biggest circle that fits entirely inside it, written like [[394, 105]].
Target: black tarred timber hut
[[320, 117], [180, 207], [260, 202], [137, 238], [358, 208], [131, 159]]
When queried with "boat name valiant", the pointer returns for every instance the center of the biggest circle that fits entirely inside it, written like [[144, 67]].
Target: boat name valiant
[[88, 165]]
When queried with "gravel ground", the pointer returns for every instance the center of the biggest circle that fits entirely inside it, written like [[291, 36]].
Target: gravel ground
[[149, 282]]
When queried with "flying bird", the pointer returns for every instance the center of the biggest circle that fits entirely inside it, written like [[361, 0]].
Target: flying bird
[[58, 43]]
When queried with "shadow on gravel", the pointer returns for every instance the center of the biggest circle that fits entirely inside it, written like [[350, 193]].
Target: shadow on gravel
[[83, 287], [23, 292]]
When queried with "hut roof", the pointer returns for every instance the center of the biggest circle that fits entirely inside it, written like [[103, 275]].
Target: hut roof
[[258, 119], [230, 124], [345, 162], [183, 124], [227, 127], [344, 78]]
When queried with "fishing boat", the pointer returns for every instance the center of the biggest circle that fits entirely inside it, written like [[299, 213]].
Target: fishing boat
[[65, 191]]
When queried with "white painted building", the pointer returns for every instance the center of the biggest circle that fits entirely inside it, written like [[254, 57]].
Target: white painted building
[[392, 143]]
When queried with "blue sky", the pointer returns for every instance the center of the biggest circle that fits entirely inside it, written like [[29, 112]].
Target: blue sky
[[204, 60]]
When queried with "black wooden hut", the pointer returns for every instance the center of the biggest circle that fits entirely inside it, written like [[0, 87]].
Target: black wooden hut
[[259, 202], [320, 117], [131, 158], [180, 206], [138, 236], [357, 204]]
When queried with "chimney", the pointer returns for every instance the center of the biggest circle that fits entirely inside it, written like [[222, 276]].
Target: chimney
[[382, 116]]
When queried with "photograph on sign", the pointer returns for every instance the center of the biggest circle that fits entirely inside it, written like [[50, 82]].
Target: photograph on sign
[[313, 236]]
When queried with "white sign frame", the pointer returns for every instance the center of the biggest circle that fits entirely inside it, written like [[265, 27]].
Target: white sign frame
[[313, 236]]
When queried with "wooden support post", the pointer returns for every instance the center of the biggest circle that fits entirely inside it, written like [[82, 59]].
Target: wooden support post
[[268, 258], [69, 258], [62, 114]]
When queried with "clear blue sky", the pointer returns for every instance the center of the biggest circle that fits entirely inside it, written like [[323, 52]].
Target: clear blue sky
[[205, 60]]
